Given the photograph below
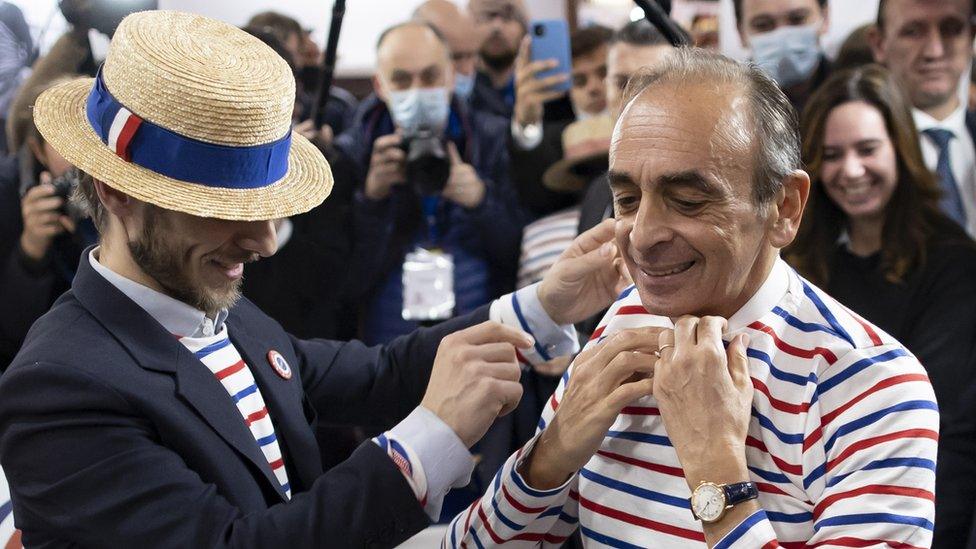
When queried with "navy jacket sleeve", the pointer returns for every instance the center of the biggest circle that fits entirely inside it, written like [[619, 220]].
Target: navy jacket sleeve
[[528, 167], [350, 383]]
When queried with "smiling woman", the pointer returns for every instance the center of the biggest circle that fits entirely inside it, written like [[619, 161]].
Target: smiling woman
[[873, 236]]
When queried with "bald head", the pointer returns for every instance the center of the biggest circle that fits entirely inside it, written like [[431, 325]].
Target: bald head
[[458, 29], [411, 55]]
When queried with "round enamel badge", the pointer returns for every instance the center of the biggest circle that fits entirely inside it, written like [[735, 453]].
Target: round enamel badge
[[279, 364]]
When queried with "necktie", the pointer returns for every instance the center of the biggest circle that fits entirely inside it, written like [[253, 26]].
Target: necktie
[[951, 202]]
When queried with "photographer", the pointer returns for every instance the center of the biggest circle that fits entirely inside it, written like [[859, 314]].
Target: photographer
[[432, 176], [42, 235]]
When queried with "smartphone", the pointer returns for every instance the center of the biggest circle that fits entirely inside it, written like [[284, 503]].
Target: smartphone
[[550, 40]]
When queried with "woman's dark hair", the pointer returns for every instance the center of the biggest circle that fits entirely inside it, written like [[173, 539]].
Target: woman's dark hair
[[912, 215]]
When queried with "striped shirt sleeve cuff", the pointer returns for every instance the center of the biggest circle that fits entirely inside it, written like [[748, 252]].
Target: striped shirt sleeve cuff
[[519, 487], [437, 459], [523, 310], [753, 532], [512, 510]]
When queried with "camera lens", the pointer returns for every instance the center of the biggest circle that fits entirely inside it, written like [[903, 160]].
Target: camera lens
[[539, 30]]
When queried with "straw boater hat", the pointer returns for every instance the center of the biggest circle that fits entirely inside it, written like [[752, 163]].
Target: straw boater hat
[[190, 114], [586, 150]]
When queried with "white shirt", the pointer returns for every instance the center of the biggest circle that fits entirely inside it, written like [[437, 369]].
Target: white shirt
[[962, 156]]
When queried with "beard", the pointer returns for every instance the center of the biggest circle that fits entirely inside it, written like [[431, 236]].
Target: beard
[[160, 259], [500, 57]]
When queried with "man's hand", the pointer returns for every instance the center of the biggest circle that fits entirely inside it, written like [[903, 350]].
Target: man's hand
[[463, 187], [704, 392], [43, 220], [476, 378], [386, 167], [532, 92], [586, 278], [606, 377]]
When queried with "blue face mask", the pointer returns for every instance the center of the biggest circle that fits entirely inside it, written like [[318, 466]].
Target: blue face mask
[[788, 54], [420, 108], [463, 85]]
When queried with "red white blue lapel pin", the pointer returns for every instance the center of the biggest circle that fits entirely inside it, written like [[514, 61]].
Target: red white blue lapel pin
[[279, 364]]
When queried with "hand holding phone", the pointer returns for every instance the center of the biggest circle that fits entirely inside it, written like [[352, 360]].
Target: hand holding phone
[[550, 41], [542, 70]]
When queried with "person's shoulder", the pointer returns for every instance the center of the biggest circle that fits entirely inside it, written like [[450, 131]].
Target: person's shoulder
[[355, 139], [256, 322], [951, 254], [68, 334], [951, 243]]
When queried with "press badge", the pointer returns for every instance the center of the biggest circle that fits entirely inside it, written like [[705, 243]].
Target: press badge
[[428, 285]]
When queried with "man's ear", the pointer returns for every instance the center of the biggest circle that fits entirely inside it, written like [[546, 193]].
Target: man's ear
[[787, 211], [115, 201], [876, 41], [378, 88]]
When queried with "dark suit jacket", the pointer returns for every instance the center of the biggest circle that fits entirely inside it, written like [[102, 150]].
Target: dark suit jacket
[[528, 166], [112, 434]]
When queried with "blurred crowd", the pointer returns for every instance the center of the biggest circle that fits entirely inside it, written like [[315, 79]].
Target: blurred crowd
[[467, 151]]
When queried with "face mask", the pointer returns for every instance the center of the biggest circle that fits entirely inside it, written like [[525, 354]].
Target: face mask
[[788, 54], [463, 85], [420, 108]]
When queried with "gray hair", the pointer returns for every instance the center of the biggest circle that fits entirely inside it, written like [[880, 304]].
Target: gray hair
[[776, 137]]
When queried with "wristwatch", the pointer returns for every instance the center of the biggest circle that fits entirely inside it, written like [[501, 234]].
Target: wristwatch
[[710, 501]]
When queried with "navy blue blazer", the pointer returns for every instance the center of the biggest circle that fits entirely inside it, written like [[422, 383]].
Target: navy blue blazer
[[112, 434]]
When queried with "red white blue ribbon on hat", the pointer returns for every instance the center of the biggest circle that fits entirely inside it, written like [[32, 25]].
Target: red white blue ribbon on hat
[[179, 157]]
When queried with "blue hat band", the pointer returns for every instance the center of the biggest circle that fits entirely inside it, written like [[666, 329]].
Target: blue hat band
[[182, 158]]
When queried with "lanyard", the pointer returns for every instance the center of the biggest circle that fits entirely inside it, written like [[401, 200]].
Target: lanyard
[[431, 203]]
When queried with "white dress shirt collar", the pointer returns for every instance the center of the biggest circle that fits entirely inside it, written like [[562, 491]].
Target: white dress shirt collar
[[177, 317], [769, 294], [955, 122]]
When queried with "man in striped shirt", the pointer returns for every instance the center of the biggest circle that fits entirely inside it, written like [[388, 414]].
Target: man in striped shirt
[[723, 401]]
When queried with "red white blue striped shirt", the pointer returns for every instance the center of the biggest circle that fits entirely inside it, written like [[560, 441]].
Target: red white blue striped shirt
[[842, 444], [219, 355]]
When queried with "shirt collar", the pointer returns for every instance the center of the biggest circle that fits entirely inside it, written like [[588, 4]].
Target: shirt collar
[[178, 318], [771, 292], [955, 122]]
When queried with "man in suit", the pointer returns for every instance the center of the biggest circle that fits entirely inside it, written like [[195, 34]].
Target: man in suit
[[928, 46], [152, 406]]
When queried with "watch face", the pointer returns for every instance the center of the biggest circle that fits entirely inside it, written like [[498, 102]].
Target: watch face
[[708, 502]]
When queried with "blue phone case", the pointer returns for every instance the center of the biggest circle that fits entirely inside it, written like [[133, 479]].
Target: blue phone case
[[550, 40]]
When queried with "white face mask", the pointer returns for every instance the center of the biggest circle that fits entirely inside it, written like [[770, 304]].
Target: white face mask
[[420, 108], [788, 54]]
